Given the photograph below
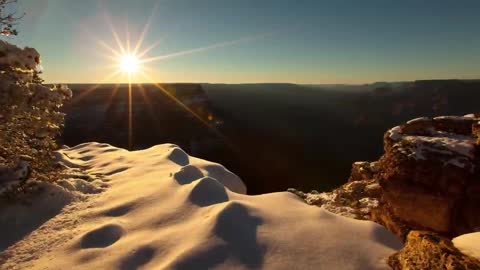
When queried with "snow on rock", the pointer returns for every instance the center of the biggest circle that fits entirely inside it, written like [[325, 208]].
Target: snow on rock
[[429, 176], [355, 199], [427, 179], [469, 244], [395, 133], [164, 209], [423, 137]]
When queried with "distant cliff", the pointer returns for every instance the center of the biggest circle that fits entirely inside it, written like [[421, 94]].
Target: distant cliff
[[177, 113]]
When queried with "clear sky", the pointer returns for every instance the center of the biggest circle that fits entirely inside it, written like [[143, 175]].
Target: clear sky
[[298, 41]]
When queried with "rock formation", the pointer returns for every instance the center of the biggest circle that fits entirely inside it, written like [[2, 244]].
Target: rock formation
[[425, 189], [428, 179], [430, 175], [426, 250]]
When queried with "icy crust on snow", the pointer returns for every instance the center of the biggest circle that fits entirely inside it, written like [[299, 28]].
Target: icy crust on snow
[[468, 244], [164, 209]]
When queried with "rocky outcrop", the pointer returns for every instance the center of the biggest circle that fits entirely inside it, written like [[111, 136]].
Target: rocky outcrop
[[425, 189], [426, 250], [430, 175], [355, 199], [427, 179]]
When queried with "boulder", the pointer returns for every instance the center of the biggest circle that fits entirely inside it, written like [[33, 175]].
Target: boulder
[[427, 250], [363, 170], [427, 179], [429, 175]]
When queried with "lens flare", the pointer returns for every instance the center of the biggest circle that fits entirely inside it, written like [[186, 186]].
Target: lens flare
[[129, 64], [133, 62]]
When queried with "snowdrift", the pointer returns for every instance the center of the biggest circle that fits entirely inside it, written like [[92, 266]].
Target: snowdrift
[[160, 208]]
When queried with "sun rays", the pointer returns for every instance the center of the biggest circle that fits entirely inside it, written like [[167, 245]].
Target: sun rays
[[131, 59]]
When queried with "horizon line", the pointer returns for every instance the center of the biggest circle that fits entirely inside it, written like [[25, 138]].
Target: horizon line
[[291, 83]]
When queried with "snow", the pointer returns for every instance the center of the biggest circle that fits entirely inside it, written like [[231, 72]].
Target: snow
[[468, 244], [450, 117], [419, 119], [395, 133], [160, 208], [458, 150], [458, 146], [46, 201]]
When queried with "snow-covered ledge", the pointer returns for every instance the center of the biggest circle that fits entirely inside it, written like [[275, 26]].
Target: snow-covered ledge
[[160, 208]]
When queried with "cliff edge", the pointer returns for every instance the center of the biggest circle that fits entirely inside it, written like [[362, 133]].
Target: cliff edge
[[426, 186]]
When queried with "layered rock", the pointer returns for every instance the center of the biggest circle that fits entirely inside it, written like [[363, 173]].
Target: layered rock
[[430, 175]]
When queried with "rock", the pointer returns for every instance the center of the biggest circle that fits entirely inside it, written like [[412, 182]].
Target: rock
[[427, 179], [25, 157], [383, 215], [430, 175], [355, 199], [476, 131], [454, 124], [426, 250], [363, 170]]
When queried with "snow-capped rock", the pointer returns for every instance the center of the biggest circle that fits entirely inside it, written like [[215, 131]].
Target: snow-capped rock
[[430, 174], [428, 179]]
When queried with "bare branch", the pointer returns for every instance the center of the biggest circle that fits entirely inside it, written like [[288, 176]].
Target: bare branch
[[9, 20]]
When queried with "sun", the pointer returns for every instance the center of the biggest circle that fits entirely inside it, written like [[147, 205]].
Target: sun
[[129, 63], [132, 62]]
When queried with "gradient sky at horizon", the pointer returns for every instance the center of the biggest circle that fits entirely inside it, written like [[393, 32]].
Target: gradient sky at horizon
[[308, 41]]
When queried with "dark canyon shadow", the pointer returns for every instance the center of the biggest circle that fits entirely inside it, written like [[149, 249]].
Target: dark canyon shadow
[[283, 135]]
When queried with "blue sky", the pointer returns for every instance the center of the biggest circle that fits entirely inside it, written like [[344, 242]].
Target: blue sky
[[303, 41]]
